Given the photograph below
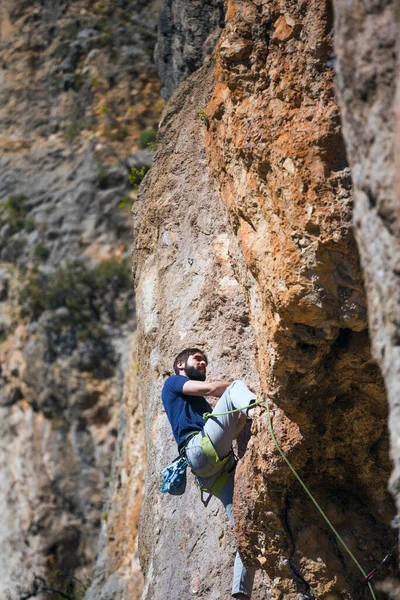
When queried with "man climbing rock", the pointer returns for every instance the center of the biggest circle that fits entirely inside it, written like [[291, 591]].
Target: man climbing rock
[[208, 444]]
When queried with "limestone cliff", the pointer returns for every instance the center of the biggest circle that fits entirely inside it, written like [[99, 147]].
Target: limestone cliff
[[243, 245], [246, 248], [79, 101], [367, 42], [187, 34]]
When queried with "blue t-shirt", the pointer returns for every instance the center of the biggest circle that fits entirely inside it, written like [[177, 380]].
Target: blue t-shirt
[[185, 413]]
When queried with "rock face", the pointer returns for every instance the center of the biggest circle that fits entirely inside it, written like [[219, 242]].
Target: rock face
[[287, 187], [117, 571], [188, 32], [367, 73], [187, 293], [79, 99], [273, 239]]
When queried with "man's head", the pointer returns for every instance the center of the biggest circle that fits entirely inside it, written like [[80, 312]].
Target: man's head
[[191, 362]]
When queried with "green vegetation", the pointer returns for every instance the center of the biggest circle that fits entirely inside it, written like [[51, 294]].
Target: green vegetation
[[88, 294], [152, 146], [73, 129], [204, 119], [13, 211], [29, 225], [95, 332], [59, 423], [124, 202], [41, 251], [43, 226], [146, 137], [100, 169], [77, 79], [159, 105], [136, 176], [101, 6], [124, 312], [64, 586], [104, 515]]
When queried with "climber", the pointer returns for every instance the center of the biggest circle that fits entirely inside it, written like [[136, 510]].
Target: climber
[[208, 446]]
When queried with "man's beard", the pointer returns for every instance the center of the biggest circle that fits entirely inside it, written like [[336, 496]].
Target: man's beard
[[195, 374]]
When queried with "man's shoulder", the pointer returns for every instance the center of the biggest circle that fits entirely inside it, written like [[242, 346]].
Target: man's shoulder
[[174, 383]]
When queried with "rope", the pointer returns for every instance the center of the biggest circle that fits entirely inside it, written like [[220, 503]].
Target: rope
[[349, 552], [207, 415]]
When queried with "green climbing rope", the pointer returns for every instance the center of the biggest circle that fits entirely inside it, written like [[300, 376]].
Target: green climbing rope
[[303, 485], [349, 552], [207, 415]]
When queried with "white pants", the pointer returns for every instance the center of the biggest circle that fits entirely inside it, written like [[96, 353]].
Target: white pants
[[221, 431]]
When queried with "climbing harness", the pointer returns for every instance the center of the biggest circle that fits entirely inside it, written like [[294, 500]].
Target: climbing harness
[[216, 488], [210, 453]]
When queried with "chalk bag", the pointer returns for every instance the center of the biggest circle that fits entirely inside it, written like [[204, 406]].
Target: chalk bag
[[174, 477]]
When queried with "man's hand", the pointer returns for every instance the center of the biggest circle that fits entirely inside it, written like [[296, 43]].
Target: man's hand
[[205, 388]]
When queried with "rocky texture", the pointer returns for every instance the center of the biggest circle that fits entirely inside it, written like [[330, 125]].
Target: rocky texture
[[187, 293], [188, 32], [117, 573], [79, 100], [367, 42], [274, 148]]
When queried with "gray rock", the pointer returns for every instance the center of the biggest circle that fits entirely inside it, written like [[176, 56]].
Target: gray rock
[[367, 68], [4, 284], [190, 319], [86, 34], [188, 32], [141, 158]]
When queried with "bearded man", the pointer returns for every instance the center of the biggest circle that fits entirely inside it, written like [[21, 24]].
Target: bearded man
[[208, 445]]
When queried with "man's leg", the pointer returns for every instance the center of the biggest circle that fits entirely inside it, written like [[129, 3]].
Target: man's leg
[[221, 430], [243, 576]]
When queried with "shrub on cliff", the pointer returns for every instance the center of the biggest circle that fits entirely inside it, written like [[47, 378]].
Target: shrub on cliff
[[136, 176], [146, 137], [89, 295], [13, 211]]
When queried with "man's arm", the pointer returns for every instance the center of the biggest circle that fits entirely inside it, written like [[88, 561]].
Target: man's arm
[[205, 388]]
